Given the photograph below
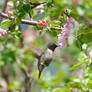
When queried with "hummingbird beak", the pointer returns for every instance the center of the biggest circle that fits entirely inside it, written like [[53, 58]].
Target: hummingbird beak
[[39, 74]]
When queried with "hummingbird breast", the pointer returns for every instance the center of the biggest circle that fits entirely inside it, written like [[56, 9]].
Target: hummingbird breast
[[47, 57]]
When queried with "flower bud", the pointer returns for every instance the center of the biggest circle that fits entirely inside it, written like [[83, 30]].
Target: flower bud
[[3, 33], [9, 13], [10, 5]]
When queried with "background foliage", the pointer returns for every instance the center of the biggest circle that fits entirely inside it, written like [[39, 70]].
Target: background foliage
[[71, 68]]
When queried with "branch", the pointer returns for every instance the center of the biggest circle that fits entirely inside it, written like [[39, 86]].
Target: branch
[[4, 6], [28, 22], [4, 15], [37, 4]]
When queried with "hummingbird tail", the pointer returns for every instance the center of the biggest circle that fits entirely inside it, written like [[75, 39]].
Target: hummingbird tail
[[39, 74]]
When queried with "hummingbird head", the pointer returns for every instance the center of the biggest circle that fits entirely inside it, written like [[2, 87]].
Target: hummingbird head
[[52, 46]]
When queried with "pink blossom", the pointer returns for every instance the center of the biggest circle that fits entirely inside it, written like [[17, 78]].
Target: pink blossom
[[10, 5], [72, 89], [9, 13], [87, 22], [3, 33], [78, 73], [68, 26], [24, 34], [90, 55], [75, 1], [60, 37], [40, 23], [62, 44], [65, 34], [67, 29], [25, 50], [44, 23], [70, 19], [63, 29]]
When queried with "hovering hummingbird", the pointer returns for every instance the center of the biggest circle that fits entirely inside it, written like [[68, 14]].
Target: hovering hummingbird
[[44, 57]]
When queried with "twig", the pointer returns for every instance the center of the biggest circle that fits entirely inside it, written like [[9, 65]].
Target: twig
[[4, 15], [37, 4], [87, 19], [4, 6]]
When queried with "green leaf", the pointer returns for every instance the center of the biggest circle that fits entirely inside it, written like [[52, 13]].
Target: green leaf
[[76, 66], [26, 7], [86, 38], [89, 84], [75, 84], [14, 85], [5, 23], [57, 90], [1, 86]]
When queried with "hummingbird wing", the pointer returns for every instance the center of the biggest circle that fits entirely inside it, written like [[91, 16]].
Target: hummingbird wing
[[38, 52]]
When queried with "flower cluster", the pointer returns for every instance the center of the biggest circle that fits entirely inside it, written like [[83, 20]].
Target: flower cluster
[[70, 26], [2, 32], [10, 6], [42, 23]]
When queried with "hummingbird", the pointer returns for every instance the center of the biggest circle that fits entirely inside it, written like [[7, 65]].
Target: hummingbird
[[44, 57]]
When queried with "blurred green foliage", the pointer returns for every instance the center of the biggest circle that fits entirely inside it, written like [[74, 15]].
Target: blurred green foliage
[[70, 68]]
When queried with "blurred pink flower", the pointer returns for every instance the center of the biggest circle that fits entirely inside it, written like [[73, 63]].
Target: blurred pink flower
[[25, 50], [10, 5], [9, 13], [64, 34], [72, 89], [40, 23], [60, 37], [87, 22], [70, 27], [3, 33], [24, 34], [70, 19], [75, 1], [62, 44], [44, 23], [78, 73], [47, 37], [90, 55]]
